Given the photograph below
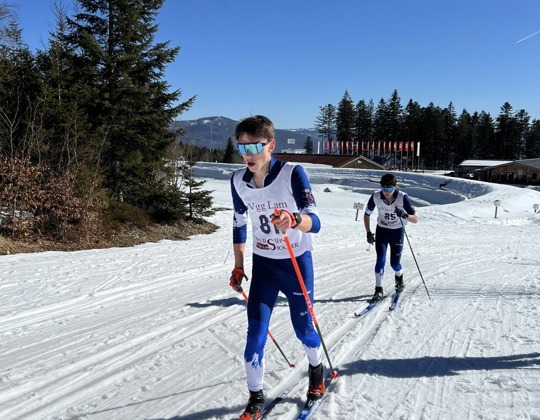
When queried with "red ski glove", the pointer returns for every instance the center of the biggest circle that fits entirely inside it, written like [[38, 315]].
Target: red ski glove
[[237, 276]]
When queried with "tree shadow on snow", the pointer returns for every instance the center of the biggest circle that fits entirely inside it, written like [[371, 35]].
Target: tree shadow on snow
[[438, 366]]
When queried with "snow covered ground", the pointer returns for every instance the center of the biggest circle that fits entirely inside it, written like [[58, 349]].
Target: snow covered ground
[[154, 331]]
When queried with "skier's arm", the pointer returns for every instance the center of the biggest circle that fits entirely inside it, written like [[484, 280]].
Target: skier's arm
[[367, 213], [305, 201], [367, 219], [239, 234], [409, 208], [370, 237], [239, 252]]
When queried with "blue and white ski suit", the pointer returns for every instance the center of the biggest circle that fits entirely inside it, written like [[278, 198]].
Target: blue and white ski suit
[[390, 230], [286, 186]]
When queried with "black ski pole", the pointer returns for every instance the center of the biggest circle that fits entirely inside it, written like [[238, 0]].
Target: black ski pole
[[416, 262]]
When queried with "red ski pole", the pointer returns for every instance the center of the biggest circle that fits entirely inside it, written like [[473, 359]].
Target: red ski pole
[[334, 373], [292, 365]]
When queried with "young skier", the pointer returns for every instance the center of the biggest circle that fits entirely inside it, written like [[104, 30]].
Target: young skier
[[265, 184], [395, 209]]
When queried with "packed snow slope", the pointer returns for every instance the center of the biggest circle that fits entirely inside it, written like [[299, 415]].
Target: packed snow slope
[[154, 331]]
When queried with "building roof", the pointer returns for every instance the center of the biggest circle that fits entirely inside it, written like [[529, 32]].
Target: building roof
[[483, 163], [533, 163], [336, 161]]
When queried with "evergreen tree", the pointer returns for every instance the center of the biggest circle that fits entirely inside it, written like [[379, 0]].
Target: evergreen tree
[[447, 142], [523, 126], [486, 137], [532, 149], [388, 119], [308, 145], [380, 130], [393, 117], [507, 134], [433, 120], [231, 154], [363, 127], [6, 14], [198, 202], [345, 119], [73, 144], [465, 141], [131, 106], [325, 123], [412, 122], [20, 93]]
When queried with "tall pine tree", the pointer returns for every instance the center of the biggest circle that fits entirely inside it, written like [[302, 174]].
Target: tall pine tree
[[325, 123], [131, 106], [345, 119]]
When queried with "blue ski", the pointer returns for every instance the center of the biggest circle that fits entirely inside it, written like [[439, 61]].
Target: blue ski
[[312, 406], [368, 308], [395, 299]]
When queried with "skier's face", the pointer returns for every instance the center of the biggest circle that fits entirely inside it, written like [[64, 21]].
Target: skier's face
[[256, 152]]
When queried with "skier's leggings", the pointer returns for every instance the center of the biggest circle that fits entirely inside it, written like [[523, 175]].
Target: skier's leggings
[[383, 239], [269, 277]]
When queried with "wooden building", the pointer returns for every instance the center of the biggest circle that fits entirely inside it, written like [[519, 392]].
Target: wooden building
[[335, 161], [524, 172]]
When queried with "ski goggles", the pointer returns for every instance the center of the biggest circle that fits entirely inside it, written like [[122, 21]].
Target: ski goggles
[[252, 148], [387, 189]]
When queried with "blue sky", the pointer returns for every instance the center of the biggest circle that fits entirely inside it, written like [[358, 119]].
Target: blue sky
[[287, 58]]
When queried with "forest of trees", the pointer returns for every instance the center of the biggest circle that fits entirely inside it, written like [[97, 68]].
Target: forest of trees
[[446, 138], [85, 136], [85, 127]]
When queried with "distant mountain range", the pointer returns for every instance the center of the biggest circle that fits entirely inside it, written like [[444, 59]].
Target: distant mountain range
[[213, 132]]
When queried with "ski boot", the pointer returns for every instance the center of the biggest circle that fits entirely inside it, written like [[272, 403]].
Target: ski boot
[[378, 295], [316, 383], [254, 409], [399, 284]]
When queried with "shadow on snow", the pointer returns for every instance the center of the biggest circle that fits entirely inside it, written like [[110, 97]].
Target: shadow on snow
[[438, 366]]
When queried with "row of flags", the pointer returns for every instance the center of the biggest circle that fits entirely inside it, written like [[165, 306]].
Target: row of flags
[[355, 147]]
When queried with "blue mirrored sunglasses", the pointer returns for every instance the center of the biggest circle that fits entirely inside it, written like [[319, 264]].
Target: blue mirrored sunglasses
[[387, 189], [253, 148]]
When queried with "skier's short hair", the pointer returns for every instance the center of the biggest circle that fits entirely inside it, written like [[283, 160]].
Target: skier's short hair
[[388, 180], [255, 126]]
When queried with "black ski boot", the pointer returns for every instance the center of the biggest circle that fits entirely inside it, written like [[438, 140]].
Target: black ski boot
[[254, 409], [316, 382], [399, 284], [378, 294]]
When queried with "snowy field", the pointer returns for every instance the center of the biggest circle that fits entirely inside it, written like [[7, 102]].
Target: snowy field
[[154, 331]]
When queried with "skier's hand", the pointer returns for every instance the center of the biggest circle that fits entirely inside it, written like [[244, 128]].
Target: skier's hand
[[237, 276], [370, 238], [284, 219], [401, 213]]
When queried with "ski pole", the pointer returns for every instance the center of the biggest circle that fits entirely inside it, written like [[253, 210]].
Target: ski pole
[[292, 365], [333, 373], [412, 252]]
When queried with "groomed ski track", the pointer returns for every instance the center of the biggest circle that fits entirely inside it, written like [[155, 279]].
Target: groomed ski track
[[154, 332]]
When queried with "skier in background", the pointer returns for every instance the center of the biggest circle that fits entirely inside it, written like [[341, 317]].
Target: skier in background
[[265, 184], [394, 209]]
